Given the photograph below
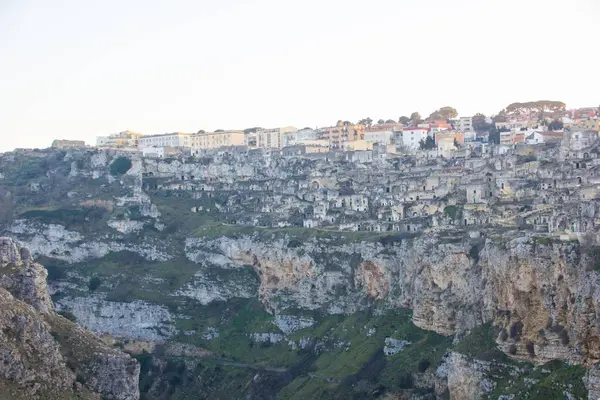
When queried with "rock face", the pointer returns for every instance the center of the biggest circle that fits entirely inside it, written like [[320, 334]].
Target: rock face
[[544, 296], [29, 357], [22, 277], [135, 319], [45, 356], [466, 378]]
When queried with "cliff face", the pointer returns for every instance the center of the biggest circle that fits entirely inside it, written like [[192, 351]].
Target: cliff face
[[543, 297], [45, 356]]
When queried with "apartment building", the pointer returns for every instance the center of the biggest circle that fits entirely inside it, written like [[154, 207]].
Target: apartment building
[[176, 139], [338, 135], [300, 137], [465, 124], [411, 137], [213, 140], [270, 138]]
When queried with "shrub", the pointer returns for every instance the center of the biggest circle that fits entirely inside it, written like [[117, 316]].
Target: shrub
[[55, 273], [94, 283], [423, 365], [120, 165], [66, 216], [512, 349], [68, 315]]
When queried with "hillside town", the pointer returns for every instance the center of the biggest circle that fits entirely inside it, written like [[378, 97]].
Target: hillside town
[[442, 134], [532, 167]]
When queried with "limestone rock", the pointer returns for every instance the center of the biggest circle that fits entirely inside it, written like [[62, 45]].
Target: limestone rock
[[42, 354]]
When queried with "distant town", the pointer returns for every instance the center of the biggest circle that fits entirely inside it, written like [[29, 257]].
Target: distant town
[[443, 133]]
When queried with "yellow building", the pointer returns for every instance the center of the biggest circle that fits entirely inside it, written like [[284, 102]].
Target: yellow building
[[213, 140], [119, 140], [338, 135], [356, 145]]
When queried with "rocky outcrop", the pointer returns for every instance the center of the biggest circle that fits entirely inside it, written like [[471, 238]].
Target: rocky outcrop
[[592, 383], [45, 356], [467, 379], [29, 356], [136, 319], [22, 277], [544, 297], [53, 240]]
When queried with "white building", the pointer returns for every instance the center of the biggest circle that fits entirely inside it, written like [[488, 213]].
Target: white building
[[176, 139], [272, 138], [543, 137], [579, 140], [411, 137], [302, 136], [154, 152], [213, 140], [381, 137], [465, 124]]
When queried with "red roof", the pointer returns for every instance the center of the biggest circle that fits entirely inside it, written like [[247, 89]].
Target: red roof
[[416, 129]]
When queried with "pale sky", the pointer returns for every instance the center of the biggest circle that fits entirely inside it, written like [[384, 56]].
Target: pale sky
[[81, 68]]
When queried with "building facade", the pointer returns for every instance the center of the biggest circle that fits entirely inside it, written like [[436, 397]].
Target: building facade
[[176, 139], [465, 124], [301, 136], [411, 137], [338, 135], [213, 140], [125, 139], [271, 138]]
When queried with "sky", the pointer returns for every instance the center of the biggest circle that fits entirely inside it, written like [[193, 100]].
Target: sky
[[77, 69]]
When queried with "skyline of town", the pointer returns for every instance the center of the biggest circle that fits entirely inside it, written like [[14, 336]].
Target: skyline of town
[[372, 124]]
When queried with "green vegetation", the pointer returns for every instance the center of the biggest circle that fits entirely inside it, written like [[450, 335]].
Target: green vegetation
[[349, 364], [547, 382], [65, 216], [480, 343], [443, 113], [120, 166], [454, 212], [539, 106]]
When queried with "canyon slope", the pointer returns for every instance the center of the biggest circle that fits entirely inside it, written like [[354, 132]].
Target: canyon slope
[[155, 259]]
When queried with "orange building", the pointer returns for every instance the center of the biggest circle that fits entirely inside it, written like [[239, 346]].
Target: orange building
[[338, 135]]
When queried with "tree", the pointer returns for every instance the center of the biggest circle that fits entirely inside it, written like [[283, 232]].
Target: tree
[[201, 131], [404, 120], [555, 125], [480, 124], [494, 136], [380, 122], [427, 144], [444, 113], [366, 122], [416, 118], [501, 117], [390, 121]]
